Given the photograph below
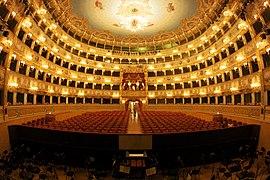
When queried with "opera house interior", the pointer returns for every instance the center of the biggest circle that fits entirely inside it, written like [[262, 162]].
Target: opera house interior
[[134, 89]]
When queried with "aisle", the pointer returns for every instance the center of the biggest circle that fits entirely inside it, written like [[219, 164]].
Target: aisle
[[134, 126]]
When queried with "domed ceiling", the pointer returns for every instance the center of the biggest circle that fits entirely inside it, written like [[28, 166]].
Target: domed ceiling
[[139, 17]]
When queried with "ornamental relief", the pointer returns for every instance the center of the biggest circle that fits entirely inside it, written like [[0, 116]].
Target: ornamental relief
[[249, 49], [81, 23], [16, 6], [19, 46]]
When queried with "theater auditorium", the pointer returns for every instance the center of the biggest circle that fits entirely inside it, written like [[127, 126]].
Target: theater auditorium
[[134, 89]]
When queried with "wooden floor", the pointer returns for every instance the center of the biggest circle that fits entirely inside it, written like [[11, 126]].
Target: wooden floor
[[134, 126]]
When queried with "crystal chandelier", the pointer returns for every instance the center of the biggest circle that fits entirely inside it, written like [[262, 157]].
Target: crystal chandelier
[[134, 13]]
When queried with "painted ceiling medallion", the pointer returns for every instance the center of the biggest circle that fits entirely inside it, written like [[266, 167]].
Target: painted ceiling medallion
[[134, 14]]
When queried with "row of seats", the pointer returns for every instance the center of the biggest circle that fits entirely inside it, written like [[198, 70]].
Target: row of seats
[[225, 122], [40, 121], [177, 122], [115, 122]]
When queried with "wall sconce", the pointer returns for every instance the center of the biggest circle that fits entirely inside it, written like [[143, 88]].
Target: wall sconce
[[254, 58], [45, 66], [222, 67], [268, 50], [32, 68], [22, 63], [13, 57], [226, 40], [65, 92], [212, 51], [29, 57], [29, 35], [81, 94], [42, 38], [13, 84], [13, 14], [8, 43], [55, 49], [255, 85], [33, 88], [266, 3], [239, 37], [42, 11], [115, 95]]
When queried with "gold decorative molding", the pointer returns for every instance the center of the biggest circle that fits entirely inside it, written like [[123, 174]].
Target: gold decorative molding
[[63, 9]]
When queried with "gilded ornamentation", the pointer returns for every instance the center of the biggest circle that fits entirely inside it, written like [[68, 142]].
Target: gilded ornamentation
[[82, 26]]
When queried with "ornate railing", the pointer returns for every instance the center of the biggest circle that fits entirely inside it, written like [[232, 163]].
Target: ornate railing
[[14, 112], [234, 110], [133, 94]]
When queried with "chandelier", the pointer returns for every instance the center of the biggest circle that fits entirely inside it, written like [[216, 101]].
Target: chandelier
[[134, 14]]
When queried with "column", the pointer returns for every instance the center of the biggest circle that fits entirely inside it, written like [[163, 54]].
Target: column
[[232, 99], [240, 71], [216, 99], [27, 70], [66, 100], [43, 99], [264, 98], [17, 66], [51, 98], [223, 77], [250, 68], [215, 79], [224, 99], [208, 100], [242, 99], [14, 98], [34, 99], [83, 100], [201, 100], [36, 73], [200, 83], [253, 98], [24, 98]]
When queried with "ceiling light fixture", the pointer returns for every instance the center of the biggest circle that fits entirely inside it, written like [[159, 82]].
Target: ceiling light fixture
[[134, 13]]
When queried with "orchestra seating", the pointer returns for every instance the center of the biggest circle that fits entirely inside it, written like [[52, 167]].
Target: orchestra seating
[[165, 133], [178, 122], [115, 122]]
